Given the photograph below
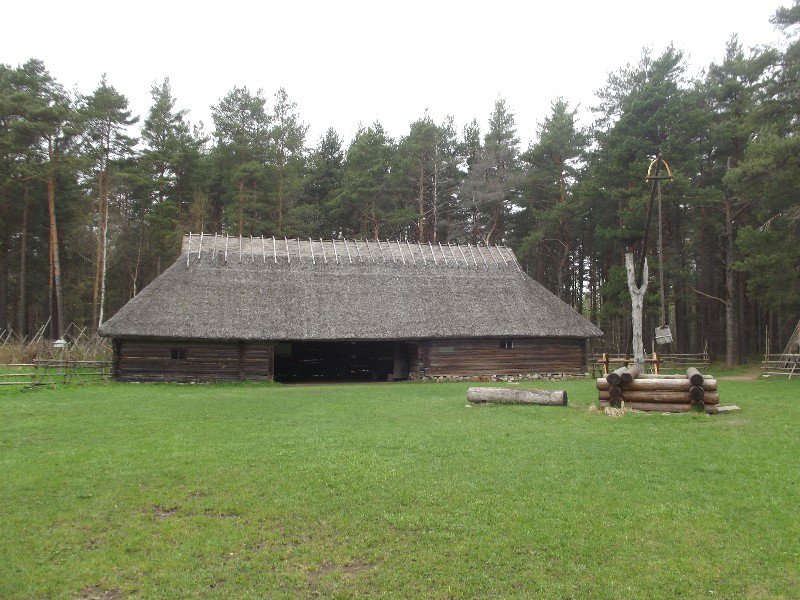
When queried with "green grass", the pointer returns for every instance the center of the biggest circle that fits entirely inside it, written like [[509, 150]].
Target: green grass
[[393, 490]]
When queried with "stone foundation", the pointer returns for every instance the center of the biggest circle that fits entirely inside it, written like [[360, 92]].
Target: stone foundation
[[505, 378]]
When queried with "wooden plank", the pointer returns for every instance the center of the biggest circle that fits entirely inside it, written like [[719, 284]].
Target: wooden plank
[[517, 396]]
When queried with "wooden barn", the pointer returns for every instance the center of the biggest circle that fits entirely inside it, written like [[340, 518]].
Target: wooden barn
[[235, 308]]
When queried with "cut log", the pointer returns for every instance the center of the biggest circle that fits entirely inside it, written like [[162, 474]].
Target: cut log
[[682, 385], [507, 396], [694, 376], [659, 407], [673, 397], [623, 375], [696, 393]]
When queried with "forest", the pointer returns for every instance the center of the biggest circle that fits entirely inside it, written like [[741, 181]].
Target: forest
[[94, 200]]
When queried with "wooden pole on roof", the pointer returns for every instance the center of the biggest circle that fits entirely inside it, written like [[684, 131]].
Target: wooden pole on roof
[[252, 256], [369, 251], [432, 254], [226, 247], [299, 253], [346, 247], [335, 253], [189, 249], [424, 260], [400, 249], [483, 258], [288, 258], [497, 264], [200, 248], [311, 247], [263, 250], [324, 257], [274, 250], [501, 254], [472, 252], [453, 254], [391, 252], [444, 256], [411, 252], [240, 248], [464, 256], [214, 251]]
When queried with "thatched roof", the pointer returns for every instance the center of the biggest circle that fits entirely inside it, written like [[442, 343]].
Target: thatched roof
[[268, 289]]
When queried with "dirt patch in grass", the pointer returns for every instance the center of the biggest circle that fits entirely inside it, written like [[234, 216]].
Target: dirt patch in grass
[[161, 513], [348, 569], [96, 592]]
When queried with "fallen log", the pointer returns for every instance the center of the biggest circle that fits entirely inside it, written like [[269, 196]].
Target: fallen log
[[623, 375], [659, 407], [508, 396], [683, 385], [694, 376], [670, 397]]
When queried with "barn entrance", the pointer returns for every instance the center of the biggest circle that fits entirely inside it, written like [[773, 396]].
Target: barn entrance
[[341, 361]]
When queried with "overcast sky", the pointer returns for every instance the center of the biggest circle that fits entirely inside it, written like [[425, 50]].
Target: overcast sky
[[347, 62]]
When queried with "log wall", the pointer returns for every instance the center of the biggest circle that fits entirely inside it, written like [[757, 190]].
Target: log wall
[[145, 360], [486, 357]]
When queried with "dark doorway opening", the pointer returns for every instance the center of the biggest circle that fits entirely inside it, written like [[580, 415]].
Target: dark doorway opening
[[341, 361]]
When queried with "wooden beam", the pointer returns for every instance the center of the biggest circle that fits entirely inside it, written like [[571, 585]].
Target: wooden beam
[[252, 256], [358, 251], [444, 256], [263, 250], [433, 254], [335, 253], [324, 256], [240, 248], [311, 247], [464, 256], [483, 258], [496, 247], [200, 247], [400, 249], [472, 252], [189, 249], [214, 251], [274, 250], [346, 247], [411, 252], [288, 258], [424, 260], [369, 251]]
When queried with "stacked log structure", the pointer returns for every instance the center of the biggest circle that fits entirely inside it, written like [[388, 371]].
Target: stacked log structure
[[662, 393]]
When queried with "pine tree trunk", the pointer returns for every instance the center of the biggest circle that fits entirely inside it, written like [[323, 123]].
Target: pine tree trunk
[[4, 241], [57, 314], [731, 341], [23, 255]]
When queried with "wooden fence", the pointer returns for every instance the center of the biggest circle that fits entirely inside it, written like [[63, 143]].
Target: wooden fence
[[600, 364], [781, 365], [55, 371]]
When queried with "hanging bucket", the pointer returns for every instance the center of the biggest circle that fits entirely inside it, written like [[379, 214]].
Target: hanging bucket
[[663, 335]]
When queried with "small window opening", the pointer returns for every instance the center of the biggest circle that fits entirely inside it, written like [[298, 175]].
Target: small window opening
[[179, 354], [506, 344]]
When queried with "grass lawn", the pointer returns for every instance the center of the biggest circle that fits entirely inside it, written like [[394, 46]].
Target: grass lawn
[[393, 490]]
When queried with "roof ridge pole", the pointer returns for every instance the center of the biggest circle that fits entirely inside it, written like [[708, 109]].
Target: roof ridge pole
[[369, 250], [200, 249], [432, 254], [214, 251], [252, 256], [497, 264], [299, 253], [324, 257], [411, 252], [501, 254], [400, 248], [472, 252], [288, 258], [274, 250], [464, 256], [240, 248], [483, 258], [453, 254], [311, 247], [346, 247], [226, 247], [444, 256], [358, 252], [335, 253], [263, 250], [189, 249], [424, 260]]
